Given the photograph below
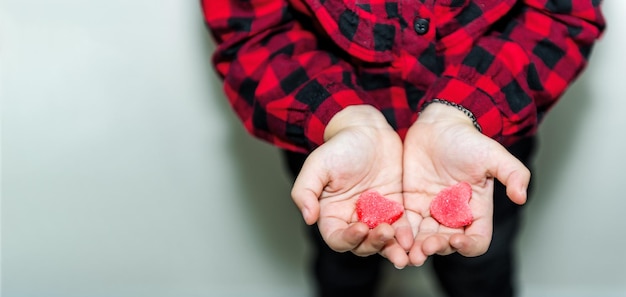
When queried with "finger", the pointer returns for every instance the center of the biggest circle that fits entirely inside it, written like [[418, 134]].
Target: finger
[[376, 239], [512, 173], [416, 254], [307, 201], [396, 254], [470, 246], [404, 233], [343, 238], [427, 228], [437, 244], [308, 188], [517, 186]]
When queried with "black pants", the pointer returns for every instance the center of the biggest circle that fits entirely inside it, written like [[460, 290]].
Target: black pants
[[489, 275]]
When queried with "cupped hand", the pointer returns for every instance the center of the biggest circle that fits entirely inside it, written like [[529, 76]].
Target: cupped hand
[[361, 152], [441, 149]]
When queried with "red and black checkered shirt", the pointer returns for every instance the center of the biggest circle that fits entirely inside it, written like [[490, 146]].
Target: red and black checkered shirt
[[290, 65]]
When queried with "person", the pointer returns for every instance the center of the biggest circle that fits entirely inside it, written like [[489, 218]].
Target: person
[[406, 98]]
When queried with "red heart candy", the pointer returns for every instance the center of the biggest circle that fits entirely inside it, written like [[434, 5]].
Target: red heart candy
[[451, 206], [373, 209]]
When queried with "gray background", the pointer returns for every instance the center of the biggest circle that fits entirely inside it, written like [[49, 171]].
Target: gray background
[[125, 173]]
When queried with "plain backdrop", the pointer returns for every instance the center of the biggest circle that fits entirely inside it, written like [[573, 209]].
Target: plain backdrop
[[125, 173]]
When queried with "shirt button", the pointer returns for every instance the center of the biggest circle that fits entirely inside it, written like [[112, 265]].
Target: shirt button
[[421, 25]]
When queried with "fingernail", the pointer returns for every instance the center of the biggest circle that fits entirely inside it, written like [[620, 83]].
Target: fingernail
[[398, 267], [305, 213]]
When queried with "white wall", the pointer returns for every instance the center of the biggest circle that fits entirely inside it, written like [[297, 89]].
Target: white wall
[[124, 172]]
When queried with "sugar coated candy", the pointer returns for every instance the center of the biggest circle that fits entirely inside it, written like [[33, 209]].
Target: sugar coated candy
[[451, 206], [373, 209]]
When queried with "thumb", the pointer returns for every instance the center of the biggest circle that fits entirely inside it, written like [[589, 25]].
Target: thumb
[[308, 188], [512, 173]]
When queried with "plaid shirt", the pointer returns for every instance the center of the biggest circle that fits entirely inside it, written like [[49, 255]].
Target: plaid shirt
[[290, 65]]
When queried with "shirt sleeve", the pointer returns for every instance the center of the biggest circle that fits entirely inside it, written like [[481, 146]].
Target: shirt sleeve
[[283, 86], [510, 77]]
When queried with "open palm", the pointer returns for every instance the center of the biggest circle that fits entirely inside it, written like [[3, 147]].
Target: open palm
[[357, 158], [441, 149]]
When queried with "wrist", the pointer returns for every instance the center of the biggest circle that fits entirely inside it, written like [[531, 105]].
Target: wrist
[[438, 109], [355, 116]]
